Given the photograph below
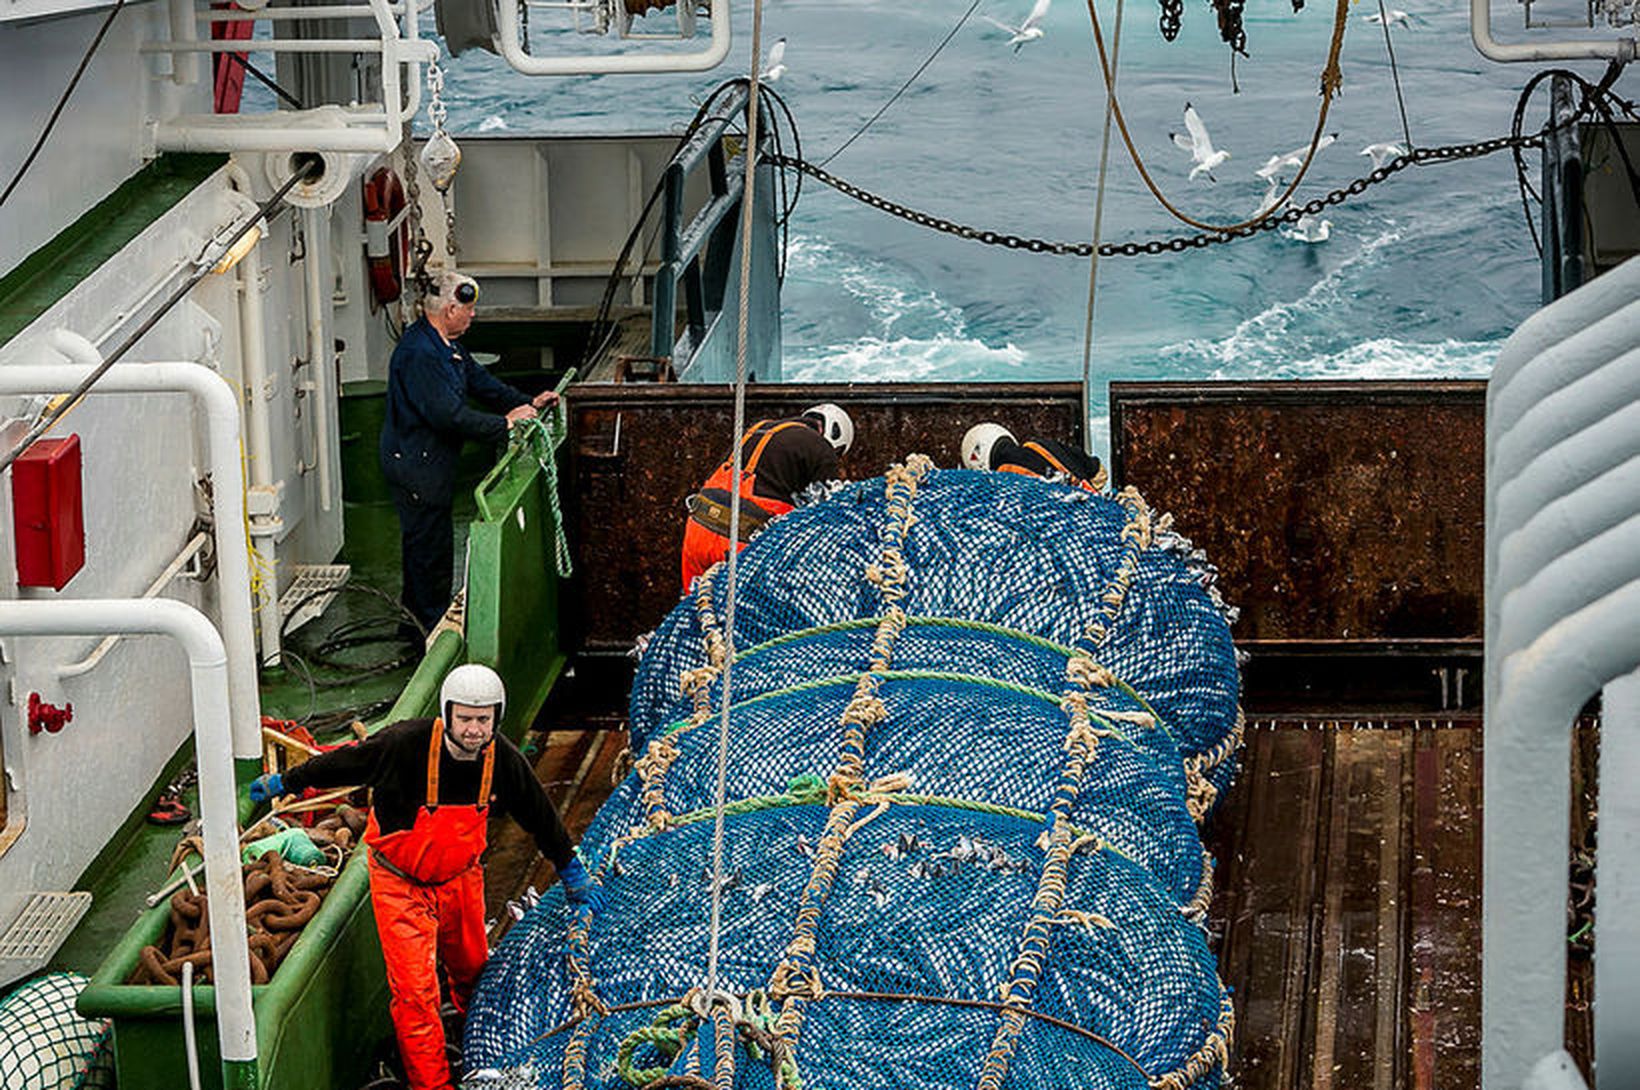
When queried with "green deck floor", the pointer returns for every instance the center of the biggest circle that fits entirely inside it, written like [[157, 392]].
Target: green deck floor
[[136, 861]]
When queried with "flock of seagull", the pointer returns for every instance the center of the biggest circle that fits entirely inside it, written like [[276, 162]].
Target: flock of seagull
[[1204, 157]]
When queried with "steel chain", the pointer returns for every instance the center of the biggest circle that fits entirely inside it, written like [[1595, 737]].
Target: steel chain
[[438, 113], [1177, 243], [420, 248]]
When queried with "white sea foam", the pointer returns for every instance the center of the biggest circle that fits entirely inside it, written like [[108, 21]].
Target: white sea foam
[[916, 335], [904, 359], [1388, 358]]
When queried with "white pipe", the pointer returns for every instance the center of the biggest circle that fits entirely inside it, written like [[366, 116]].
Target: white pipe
[[390, 74], [318, 11], [1592, 567], [1553, 324], [221, 409], [267, 45], [368, 134], [1569, 466], [160, 582], [214, 751], [258, 427], [184, 69], [1480, 29], [512, 50], [190, 1043], [1527, 770], [1606, 385], [1562, 554], [1567, 519], [1601, 339], [317, 264], [1617, 966], [407, 49]]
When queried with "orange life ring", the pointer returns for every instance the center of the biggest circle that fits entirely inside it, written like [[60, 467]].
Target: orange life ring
[[386, 235]]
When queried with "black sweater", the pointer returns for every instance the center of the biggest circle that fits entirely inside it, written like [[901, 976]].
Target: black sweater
[[393, 763]]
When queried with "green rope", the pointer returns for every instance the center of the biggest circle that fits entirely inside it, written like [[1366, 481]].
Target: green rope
[[665, 1040], [951, 622], [835, 680], [810, 790], [544, 435]]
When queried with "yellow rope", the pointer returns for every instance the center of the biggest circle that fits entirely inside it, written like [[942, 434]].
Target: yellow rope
[[1332, 79]]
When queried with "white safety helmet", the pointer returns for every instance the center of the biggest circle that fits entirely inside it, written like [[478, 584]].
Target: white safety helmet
[[978, 443], [476, 686], [835, 425]]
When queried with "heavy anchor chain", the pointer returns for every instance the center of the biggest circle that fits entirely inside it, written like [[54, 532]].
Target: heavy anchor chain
[[1177, 243]]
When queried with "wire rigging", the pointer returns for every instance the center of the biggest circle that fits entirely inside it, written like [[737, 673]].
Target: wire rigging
[[62, 101], [719, 803], [1395, 73], [268, 207], [895, 97], [1098, 230]]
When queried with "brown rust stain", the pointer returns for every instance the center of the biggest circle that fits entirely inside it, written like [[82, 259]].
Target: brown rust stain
[[1333, 510]]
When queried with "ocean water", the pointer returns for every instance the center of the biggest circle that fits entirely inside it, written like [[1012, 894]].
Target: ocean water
[[1423, 276]]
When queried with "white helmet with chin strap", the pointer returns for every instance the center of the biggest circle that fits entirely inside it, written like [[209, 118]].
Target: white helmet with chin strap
[[476, 686], [835, 425], [978, 443]]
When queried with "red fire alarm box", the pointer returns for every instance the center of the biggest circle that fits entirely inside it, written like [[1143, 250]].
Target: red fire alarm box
[[48, 522]]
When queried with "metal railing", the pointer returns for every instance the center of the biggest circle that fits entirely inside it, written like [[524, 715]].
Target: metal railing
[[687, 256]]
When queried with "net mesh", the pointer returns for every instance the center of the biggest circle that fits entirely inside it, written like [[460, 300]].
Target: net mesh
[[974, 722], [45, 1044]]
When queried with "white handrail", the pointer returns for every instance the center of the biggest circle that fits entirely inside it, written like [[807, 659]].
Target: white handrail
[[509, 39], [221, 410], [1480, 29], [214, 751]]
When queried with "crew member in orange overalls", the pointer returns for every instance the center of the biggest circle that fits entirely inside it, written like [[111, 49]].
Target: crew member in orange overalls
[[434, 782], [992, 446], [779, 459]]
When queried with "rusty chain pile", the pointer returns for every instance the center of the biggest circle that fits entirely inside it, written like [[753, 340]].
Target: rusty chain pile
[[1178, 243], [280, 899]]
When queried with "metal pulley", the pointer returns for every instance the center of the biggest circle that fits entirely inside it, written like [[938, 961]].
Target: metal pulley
[[440, 157]]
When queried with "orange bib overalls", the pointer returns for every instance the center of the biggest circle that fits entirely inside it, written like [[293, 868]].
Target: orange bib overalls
[[427, 890], [703, 547]]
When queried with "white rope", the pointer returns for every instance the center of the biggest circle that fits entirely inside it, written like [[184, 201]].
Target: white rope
[[750, 155], [1098, 231]]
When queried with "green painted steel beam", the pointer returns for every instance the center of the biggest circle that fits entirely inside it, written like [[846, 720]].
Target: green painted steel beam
[[79, 249]]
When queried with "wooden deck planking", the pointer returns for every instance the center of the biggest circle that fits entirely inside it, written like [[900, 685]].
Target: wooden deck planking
[[1267, 887], [1349, 884]]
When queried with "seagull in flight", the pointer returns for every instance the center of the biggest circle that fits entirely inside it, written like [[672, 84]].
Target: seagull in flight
[[1272, 198], [775, 66], [1393, 16], [1200, 146], [1310, 229], [1028, 31], [1277, 165], [1383, 153]]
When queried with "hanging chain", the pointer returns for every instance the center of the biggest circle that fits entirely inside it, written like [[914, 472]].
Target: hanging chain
[[440, 156], [420, 248], [1178, 243]]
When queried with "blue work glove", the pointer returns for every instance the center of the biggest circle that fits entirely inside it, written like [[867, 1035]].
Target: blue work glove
[[579, 886], [270, 785]]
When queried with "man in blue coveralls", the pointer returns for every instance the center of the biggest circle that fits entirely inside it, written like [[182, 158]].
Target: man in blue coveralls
[[429, 381]]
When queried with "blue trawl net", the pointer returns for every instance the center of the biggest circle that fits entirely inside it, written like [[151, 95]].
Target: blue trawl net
[[975, 719]]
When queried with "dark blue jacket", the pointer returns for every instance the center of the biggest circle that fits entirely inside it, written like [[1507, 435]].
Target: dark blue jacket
[[428, 418]]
